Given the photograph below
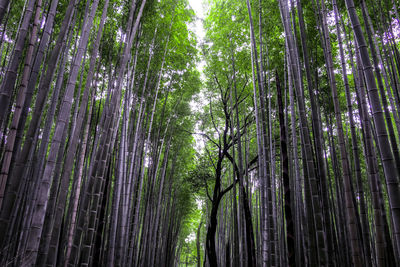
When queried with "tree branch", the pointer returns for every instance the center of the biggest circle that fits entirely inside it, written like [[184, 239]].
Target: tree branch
[[209, 155], [212, 118], [226, 190], [203, 134]]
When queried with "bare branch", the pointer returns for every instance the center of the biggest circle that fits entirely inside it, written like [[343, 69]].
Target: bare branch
[[226, 190], [212, 119], [204, 135], [209, 155]]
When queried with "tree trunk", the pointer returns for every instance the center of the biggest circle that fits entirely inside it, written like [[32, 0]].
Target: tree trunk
[[290, 232], [388, 163]]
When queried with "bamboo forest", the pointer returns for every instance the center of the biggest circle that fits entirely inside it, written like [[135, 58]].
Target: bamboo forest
[[200, 133]]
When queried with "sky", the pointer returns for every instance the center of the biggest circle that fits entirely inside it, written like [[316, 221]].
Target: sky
[[199, 101], [197, 6]]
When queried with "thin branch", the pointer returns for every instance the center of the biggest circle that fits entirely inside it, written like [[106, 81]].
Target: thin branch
[[243, 88], [226, 190], [212, 118], [204, 135], [209, 155], [206, 186]]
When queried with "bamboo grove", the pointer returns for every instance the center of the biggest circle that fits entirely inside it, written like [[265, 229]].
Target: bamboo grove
[[127, 140], [90, 169]]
